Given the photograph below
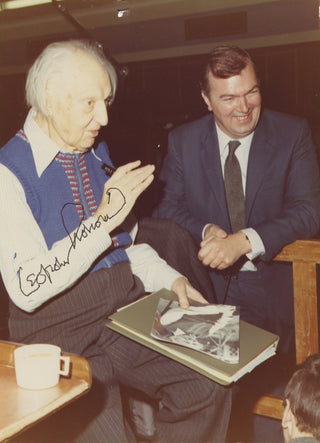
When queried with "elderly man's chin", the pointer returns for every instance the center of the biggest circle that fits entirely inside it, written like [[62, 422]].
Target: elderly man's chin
[[86, 147], [86, 143], [83, 147]]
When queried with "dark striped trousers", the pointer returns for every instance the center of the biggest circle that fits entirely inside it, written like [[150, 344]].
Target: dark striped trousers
[[192, 407]]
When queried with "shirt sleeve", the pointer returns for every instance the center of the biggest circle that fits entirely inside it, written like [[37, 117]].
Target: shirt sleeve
[[257, 246], [153, 271], [31, 272], [204, 230]]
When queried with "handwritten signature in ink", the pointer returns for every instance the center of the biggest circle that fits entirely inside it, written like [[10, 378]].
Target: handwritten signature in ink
[[32, 282]]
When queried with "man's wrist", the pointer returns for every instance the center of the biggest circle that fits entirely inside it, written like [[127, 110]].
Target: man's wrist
[[245, 243], [257, 246]]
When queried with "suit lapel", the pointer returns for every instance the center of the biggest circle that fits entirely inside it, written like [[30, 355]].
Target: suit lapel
[[211, 163], [262, 152]]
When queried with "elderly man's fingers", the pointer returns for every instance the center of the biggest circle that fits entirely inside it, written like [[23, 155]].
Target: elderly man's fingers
[[195, 295], [139, 188], [186, 291], [141, 178], [124, 169], [131, 182], [179, 287], [131, 172], [121, 192]]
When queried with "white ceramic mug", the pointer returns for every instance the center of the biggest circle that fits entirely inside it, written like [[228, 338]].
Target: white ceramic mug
[[38, 366]]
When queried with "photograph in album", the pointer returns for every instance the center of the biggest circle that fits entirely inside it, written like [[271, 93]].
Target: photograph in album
[[212, 329], [251, 345]]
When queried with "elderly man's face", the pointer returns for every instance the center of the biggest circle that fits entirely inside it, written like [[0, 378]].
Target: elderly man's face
[[76, 103], [235, 102]]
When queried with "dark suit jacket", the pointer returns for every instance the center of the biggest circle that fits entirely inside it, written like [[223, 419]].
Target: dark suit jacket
[[177, 247], [282, 192]]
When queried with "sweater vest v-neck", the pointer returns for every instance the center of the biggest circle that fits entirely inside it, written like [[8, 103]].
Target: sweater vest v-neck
[[65, 194]]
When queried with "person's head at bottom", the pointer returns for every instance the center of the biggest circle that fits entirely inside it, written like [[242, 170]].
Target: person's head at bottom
[[301, 415]]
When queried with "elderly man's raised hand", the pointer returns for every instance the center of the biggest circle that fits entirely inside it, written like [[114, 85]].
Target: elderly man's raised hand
[[121, 192]]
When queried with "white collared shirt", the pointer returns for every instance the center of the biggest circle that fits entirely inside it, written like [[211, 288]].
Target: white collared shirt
[[23, 244], [242, 154]]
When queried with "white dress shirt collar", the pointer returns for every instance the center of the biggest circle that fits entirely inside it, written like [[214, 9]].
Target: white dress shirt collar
[[43, 148], [224, 140]]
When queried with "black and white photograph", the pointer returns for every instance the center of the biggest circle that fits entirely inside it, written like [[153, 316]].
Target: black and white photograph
[[212, 329]]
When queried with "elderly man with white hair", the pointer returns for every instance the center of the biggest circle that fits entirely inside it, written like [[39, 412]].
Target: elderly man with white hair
[[67, 266]]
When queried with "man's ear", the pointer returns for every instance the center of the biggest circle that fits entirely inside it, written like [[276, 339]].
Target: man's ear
[[206, 100], [289, 422], [49, 101], [52, 91]]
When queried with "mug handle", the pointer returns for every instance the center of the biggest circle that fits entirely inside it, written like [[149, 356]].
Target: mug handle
[[66, 361]]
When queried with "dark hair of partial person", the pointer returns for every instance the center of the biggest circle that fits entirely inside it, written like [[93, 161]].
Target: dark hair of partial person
[[303, 393], [54, 60], [223, 62]]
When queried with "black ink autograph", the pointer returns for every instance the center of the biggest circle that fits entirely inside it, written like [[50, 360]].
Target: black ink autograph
[[34, 281]]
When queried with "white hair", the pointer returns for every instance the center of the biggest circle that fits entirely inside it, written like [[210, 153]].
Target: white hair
[[53, 60]]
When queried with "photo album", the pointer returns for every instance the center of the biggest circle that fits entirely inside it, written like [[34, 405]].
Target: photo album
[[211, 339]]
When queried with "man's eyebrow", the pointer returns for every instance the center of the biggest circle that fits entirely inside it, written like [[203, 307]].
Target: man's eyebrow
[[253, 88], [85, 96], [234, 95], [227, 95]]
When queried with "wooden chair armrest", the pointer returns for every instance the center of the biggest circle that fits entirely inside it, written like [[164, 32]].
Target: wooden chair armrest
[[269, 405], [304, 251], [304, 255]]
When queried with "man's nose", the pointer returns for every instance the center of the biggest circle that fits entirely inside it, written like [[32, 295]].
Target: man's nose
[[243, 104], [101, 113]]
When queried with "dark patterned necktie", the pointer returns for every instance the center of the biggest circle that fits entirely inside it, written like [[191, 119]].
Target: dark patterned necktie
[[234, 189]]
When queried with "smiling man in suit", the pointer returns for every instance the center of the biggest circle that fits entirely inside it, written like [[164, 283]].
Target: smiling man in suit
[[243, 201], [245, 182]]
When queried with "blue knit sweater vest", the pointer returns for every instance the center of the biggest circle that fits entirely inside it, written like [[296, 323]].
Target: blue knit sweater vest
[[67, 192]]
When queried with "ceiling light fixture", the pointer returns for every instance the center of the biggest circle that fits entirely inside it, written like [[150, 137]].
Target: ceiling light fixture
[[123, 12], [17, 4]]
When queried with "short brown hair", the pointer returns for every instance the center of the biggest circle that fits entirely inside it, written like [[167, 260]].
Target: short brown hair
[[303, 393], [223, 62]]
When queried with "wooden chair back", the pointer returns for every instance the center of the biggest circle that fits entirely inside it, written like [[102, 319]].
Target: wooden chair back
[[304, 255]]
